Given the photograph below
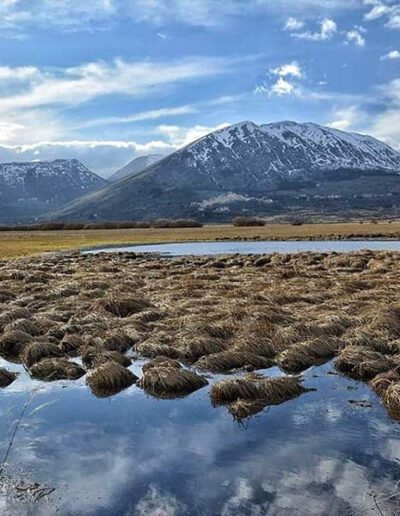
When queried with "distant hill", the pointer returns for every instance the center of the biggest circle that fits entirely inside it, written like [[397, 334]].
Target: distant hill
[[31, 189], [279, 168], [135, 166]]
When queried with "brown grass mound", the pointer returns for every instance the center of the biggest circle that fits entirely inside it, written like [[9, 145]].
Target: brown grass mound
[[161, 361], [306, 354], [26, 325], [109, 379], [382, 381], [93, 357], [12, 315], [201, 346], [231, 360], [154, 349], [6, 377], [391, 400], [249, 395], [118, 341], [362, 363], [51, 369], [12, 344], [37, 350], [171, 382], [71, 344], [258, 345], [122, 306]]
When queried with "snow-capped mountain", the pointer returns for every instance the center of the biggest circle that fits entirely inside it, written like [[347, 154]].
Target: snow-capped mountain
[[249, 168], [136, 166], [31, 188]]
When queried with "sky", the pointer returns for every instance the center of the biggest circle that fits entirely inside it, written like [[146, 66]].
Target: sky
[[106, 81]]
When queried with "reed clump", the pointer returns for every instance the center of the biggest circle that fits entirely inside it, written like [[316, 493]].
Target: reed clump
[[93, 357], [109, 378], [362, 363], [226, 361], [52, 369], [6, 377], [35, 351], [164, 381], [303, 355]]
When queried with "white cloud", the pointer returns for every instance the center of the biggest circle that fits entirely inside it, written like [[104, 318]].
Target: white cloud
[[384, 9], [282, 87], [290, 69], [178, 136], [328, 28], [77, 85], [355, 36], [293, 24], [392, 55], [346, 118]]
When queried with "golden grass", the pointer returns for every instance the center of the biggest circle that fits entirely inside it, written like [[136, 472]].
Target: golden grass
[[220, 314], [109, 379], [164, 381], [28, 243], [51, 369]]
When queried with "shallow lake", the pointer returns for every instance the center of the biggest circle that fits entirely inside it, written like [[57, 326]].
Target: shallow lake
[[215, 248], [135, 455]]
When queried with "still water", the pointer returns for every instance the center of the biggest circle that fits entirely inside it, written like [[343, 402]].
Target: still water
[[130, 454], [215, 248]]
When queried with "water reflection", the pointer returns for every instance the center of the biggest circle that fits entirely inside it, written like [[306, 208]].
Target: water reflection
[[215, 248], [131, 454]]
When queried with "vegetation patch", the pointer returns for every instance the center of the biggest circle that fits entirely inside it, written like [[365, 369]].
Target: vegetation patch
[[109, 378], [51, 369]]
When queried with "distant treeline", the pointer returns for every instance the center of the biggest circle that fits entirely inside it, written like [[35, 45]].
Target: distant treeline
[[60, 226]]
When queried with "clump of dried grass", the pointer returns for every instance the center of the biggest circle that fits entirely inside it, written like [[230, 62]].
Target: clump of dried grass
[[362, 363], [109, 378], [117, 341], [71, 344], [249, 395], [164, 381], [36, 351], [93, 357], [12, 344], [6, 377], [161, 361], [25, 325], [382, 381], [391, 400], [197, 347], [303, 355], [123, 306], [231, 360], [13, 315], [51, 369], [154, 349]]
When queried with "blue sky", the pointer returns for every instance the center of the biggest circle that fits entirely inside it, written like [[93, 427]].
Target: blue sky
[[108, 80]]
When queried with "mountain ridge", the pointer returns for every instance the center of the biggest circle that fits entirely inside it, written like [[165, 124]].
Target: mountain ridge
[[135, 166], [262, 169]]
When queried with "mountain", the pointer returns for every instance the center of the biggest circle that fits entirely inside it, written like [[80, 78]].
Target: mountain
[[30, 189], [278, 168], [135, 166]]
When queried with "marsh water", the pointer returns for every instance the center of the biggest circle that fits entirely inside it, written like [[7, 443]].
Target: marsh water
[[332, 451], [263, 247]]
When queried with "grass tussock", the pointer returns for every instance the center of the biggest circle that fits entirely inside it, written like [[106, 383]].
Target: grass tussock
[[233, 360], [382, 381], [71, 345], [13, 343], [36, 351], [52, 369], [109, 378], [303, 355], [122, 306], [6, 377], [164, 381], [362, 363], [161, 361], [249, 395], [391, 400], [93, 357]]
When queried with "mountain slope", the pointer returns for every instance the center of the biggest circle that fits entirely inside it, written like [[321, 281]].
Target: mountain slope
[[32, 188], [246, 168], [135, 166]]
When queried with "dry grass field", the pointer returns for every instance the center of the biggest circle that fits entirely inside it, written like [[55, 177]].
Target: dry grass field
[[194, 317], [27, 243]]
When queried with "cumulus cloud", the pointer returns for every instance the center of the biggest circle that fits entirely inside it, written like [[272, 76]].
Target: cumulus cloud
[[328, 29], [385, 9], [392, 55], [286, 79], [355, 36], [293, 24]]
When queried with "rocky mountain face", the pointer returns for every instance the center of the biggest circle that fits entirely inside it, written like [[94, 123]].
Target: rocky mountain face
[[246, 168], [135, 166], [30, 189]]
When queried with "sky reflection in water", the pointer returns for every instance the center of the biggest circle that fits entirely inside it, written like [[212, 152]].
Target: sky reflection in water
[[131, 454]]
